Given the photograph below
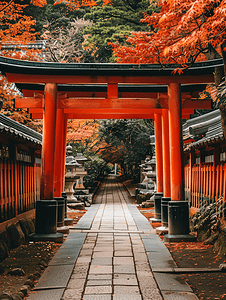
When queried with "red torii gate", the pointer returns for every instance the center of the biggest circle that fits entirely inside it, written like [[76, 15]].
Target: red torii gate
[[166, 109]]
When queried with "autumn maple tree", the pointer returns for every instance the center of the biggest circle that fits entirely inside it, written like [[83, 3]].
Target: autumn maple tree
[[17, 29], [184, 32], [16, 32], [81, 130]]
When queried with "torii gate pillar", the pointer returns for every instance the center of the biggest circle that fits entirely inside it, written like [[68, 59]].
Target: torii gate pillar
[[59, 163], [46, 208], [166, 173], [159, 168], [178, 208]]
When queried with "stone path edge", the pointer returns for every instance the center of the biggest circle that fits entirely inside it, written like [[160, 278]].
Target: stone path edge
[[170, 285], [180, 289], [51, 287]]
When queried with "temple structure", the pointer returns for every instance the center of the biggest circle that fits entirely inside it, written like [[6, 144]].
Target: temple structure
[[57, 92]]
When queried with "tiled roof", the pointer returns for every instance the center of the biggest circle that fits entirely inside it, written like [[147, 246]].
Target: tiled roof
[[13, 128], [205, 130]]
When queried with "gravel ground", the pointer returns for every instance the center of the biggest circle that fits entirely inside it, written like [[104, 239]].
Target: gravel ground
[[29, 257]]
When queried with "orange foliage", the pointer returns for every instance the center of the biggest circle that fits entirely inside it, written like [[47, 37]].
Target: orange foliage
[[80, 130], [18, 29], [184, 31], [76, 4], [7, 95]]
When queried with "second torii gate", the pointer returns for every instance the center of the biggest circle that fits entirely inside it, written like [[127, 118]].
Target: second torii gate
[[126, 94]]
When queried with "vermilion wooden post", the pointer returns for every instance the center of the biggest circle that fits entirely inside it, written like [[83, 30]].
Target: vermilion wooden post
[[159, 167], [166, 171], [46, 208], [166, 153], [175, 122], [178, 208], [48, 142], [158, 147], [59, 151], [64, 151]]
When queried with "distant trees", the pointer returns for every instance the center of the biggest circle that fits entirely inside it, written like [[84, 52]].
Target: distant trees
[[112, 22], [106, 22], [127, 142], [65, 43]]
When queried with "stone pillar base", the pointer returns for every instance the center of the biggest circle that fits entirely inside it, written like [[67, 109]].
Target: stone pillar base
[[68, 221], [164, 210], [52, 237], [162, 230], [154, 220], [157, 201], [179, 223], [46, 217], [63, 229], [175, 238]]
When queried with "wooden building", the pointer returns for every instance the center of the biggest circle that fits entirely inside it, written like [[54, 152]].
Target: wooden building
[[20, 168], [204, 154]]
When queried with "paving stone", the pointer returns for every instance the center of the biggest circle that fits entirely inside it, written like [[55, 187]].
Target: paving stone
[[124, 269], [63, 260], [105, 235], [97, 297], [86, 252], [103, 249], [98, 290], [140, 257], [80, 270], [52, 294], [121, 242], [76, 283], [104, 242], [123, 253], [100, 269], [169, 282], [99, 277], [103, 254], [90, 239], [72, 294], [87, 246], [179, 296], [138, 249], [125, 279], [143, 266], [148, 286], [84, 259], [98, 261], [55, 276], [79, 275], [123, 261], [122, 237], [122, 247], [99, 282], [124, 290], [105, 239]]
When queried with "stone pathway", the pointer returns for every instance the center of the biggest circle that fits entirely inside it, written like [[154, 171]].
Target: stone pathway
[[113, 257], [111, 254]]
